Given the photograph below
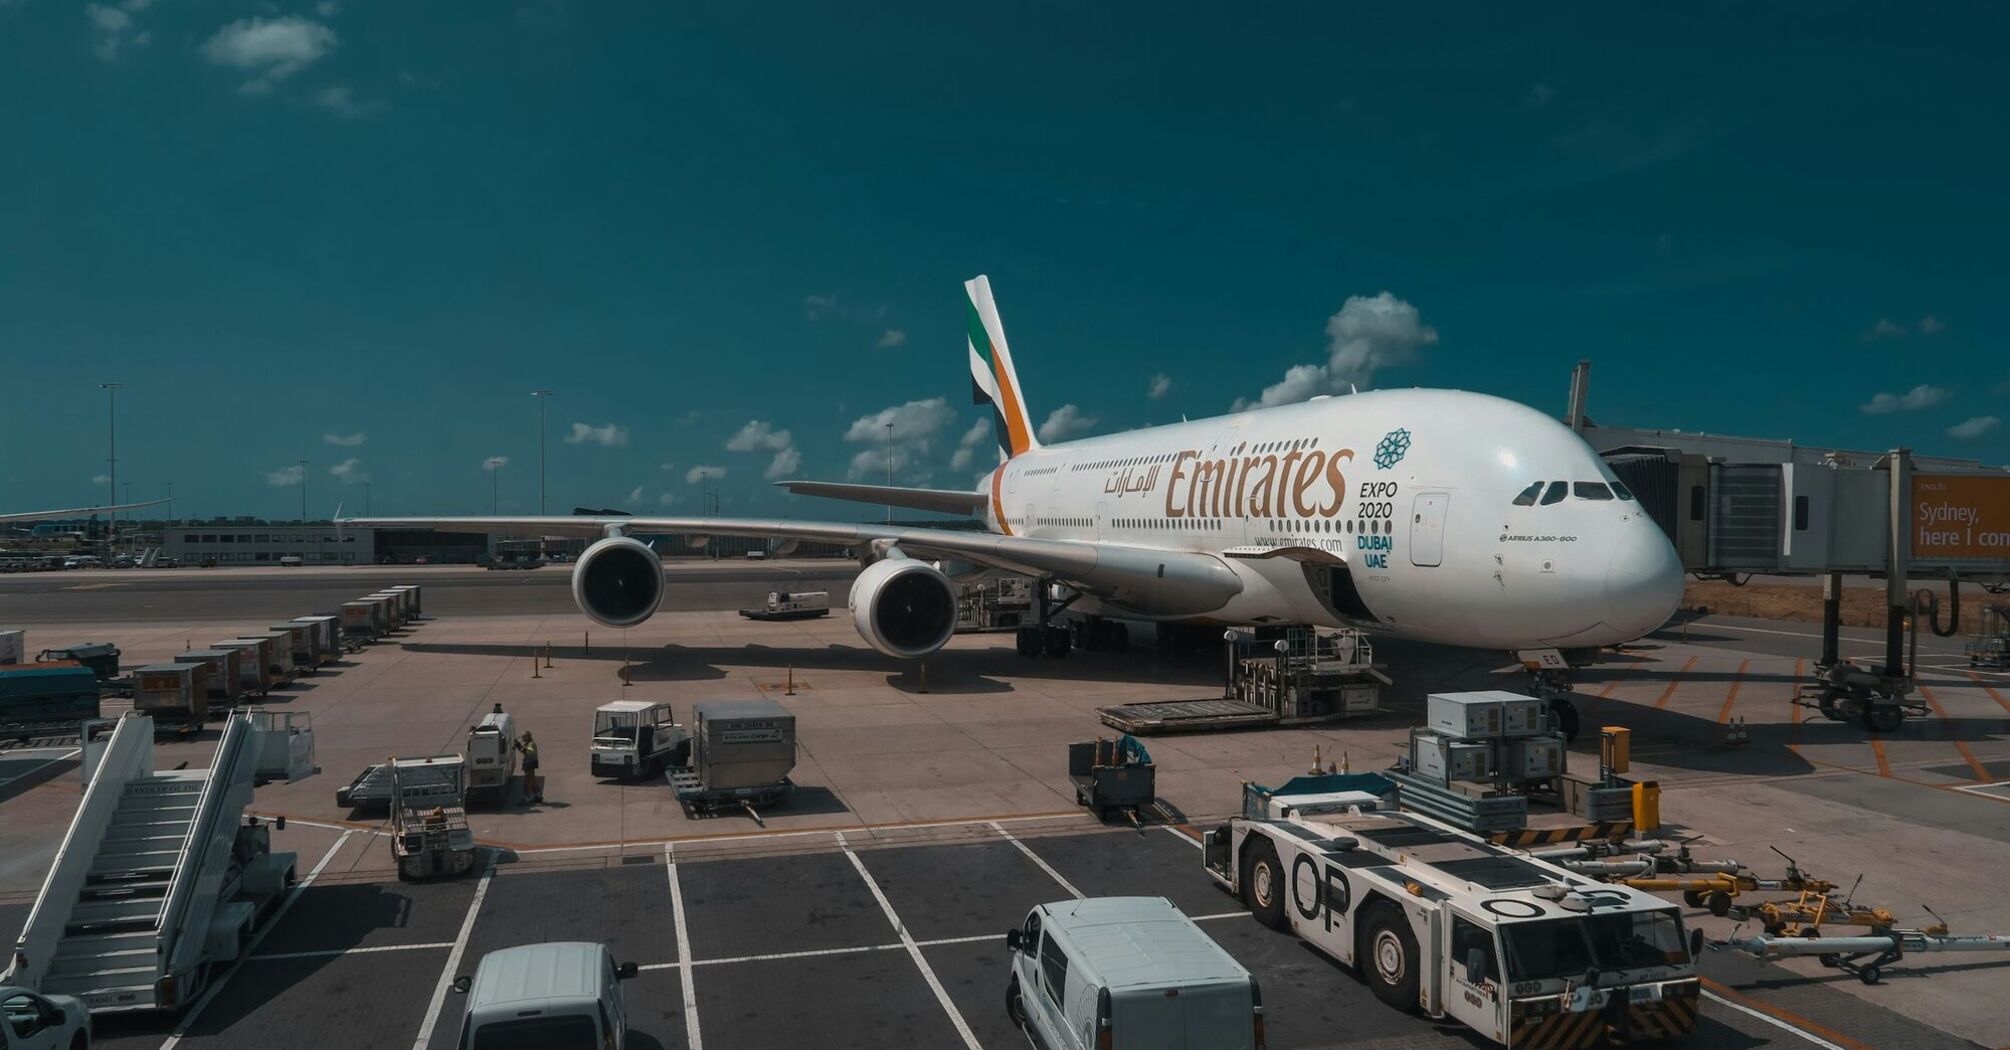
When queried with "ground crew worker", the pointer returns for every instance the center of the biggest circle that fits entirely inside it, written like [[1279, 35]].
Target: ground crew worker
[[533, 785]]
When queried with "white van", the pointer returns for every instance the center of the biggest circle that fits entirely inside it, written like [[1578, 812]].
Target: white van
[[1128, 973], [565, 995], [492, 755]]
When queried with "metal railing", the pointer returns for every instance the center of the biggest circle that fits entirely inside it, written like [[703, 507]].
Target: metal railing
[[129, 754], [198, 877]]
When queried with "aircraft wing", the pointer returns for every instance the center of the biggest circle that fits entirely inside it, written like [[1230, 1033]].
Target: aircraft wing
[[78, 512], [1163, 582], [941, 501]]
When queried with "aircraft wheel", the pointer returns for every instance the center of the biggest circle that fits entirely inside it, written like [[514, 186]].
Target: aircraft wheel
[[1566, 717], [1883, 718]]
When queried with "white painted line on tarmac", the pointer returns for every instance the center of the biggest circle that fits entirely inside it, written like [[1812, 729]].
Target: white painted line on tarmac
[[188, 1019], [1771, 1020], [760, 836], [1184, 837], [1873, 644], [684, 963], [454, 954], [1220, 915], [330, 952], [810, 953], [913, 950], [1036, 858]]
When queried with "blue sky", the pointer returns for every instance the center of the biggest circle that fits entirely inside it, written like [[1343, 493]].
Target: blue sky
[[361, 234]]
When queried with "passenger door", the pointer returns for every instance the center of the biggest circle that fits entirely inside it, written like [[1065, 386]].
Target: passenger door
[[1427, 528], [1051, 1001]]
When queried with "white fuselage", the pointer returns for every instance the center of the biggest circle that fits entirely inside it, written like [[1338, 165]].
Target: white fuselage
[[1414, 490]]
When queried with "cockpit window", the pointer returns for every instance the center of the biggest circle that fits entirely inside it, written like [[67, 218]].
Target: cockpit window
[[1557, 490], [1622, 492], [1528, 495], [1592, 490]]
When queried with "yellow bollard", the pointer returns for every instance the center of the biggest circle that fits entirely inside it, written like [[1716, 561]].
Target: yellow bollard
[[547, 654], [533, 666], [924, 676], [585, 642], [791, 690]]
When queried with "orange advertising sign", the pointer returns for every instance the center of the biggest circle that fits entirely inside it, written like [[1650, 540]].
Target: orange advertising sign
[[1958, 518]]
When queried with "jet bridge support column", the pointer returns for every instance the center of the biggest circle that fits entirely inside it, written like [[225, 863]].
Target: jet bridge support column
[[1897, 601], [1831, 620]]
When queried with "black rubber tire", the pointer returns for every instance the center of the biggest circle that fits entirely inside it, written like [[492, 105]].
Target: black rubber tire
[[1015, 1005], [80, 1042], [1827, 705], [1872, 974], [1693, 898], [1566, 718], [1263, 884], [1059, 641], [1028, 641], [1387, 958], [1718, 902], [1116, 637], [1884, 719]]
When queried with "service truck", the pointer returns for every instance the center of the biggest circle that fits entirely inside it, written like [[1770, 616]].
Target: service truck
[[1441, 922]]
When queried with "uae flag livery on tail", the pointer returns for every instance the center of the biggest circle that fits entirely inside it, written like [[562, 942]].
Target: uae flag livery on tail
[[993, 381]]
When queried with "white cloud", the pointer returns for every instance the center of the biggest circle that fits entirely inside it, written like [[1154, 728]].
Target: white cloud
[[816, 306], [891, 338], [495, 463], [1970, 429], [1540, 96], [666, 499], [1921, 396], [612, 435], [634, 496], [328, 8], [1931, 325], [917, 425], [341, 100], [760, 436], [1066, 422], [703, 472], [668, 465], [344, 440], [969, 443], [284, 476], [1885, 328], [269, 49], [349, 471], [101, 479], [1159, 386], [688, 418], [1367, 335], [785, 463], [116, 31]]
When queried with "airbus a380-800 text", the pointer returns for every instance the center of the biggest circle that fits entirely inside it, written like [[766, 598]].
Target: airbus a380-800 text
[[1435, 515]]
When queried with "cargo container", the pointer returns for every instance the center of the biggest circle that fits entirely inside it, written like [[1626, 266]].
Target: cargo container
[[168, 693], [394, 607], [13, 647], [327, 636], [255, 668], [1484, 715], [362, 620], [415, 603], [101, 657], [303, 650], [742, 743], [42, 693], [279, 654], [226, 680]]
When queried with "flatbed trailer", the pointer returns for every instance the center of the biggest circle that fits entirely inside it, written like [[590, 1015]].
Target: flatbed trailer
[[701, 801], [371, 789], [791, 605], [1441, 922]]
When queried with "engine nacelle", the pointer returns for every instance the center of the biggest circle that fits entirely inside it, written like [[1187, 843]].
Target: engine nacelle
[[618, 582], [903, 607]]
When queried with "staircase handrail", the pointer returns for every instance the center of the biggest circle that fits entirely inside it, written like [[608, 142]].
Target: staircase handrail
[[202, 849], [128, 754]]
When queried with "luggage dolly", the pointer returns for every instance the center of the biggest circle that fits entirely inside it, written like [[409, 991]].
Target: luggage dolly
[[701, 801]]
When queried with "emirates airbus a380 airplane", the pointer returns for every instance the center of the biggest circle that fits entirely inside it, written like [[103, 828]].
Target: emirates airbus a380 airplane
[[1432, 515]]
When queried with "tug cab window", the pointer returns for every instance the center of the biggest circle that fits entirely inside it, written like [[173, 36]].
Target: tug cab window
[[1557, 491], [1591, 490], [1528, 495]]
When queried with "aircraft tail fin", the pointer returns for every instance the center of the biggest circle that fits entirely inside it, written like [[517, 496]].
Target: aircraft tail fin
[[993, 381]]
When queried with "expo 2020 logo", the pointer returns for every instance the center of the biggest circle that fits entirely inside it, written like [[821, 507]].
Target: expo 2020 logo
[[1390, 451]]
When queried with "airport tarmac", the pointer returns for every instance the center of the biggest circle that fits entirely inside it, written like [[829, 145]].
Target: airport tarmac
[[924, 788]]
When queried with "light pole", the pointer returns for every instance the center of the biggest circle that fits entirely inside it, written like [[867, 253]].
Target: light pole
[[889, 469], [171, 517], [112, 455], [366, 499], [303, 492], [541, 396], [495, 491]]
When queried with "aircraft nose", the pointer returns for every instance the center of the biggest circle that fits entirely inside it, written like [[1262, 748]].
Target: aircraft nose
[[1643, 582]]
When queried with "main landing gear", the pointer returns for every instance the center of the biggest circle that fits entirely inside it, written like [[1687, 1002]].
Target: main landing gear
[[1047, 638]]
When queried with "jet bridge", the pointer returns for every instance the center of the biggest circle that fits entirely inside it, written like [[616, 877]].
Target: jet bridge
[[158, 877]]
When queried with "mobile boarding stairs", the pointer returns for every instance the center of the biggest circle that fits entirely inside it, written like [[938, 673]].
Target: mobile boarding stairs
[[159, 879]]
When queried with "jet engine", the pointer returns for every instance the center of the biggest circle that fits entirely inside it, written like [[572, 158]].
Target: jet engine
[[618, 582], [903, 607]]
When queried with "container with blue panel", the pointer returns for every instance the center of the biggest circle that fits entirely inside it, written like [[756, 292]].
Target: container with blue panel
[[41, 693]]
